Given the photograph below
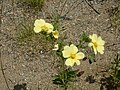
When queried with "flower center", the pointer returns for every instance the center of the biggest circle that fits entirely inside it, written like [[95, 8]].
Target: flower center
[[72, 56], [44, 28], [95, 44], [55, 33]]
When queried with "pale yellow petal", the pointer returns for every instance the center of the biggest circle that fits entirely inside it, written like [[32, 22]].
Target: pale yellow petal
[[90, 36], [100, 41], [73, 49], [69, 62], [37, 29], [55, 34], [94, 38], [100, 49], [56, 47], [66, 53], [90, 44], [77, 62], [49, 31], [39, 22], [80, 55], [95, 49], [66, 47], [49, 27], [101, 52]]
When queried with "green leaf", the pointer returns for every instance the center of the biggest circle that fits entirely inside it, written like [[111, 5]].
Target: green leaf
[[64, 77], [71, 74], [91, 60], [118, 74], [84, 37], [91, 57], [59, 53], [57, 81]]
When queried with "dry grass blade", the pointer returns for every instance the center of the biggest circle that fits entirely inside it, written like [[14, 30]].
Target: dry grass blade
[[63, 7]]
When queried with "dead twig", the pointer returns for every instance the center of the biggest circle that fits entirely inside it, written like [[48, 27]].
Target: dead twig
[[1, 65], [4, 74], [92, 7]]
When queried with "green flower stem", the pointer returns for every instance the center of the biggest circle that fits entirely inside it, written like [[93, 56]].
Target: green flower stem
[[64, 76], [63, 71], [72, 86]]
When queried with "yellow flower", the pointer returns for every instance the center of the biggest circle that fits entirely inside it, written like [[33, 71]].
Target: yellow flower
[[56, 47], [48, 28], [41, 25], [55, 34], [97, 43], [38, 25], [72, 55]]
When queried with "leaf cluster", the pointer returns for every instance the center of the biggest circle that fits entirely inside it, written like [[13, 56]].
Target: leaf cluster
[[83, 38], [116, 69], [64, 77]]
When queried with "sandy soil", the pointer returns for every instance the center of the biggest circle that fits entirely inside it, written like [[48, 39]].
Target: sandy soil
[[33, 64]]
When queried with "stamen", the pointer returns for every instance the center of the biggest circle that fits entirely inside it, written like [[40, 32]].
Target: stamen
[[95, 44], [72, 56]]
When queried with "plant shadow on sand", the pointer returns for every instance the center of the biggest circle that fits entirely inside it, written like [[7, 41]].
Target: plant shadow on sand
[[109, 84], [90, 79], [20, 87]]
